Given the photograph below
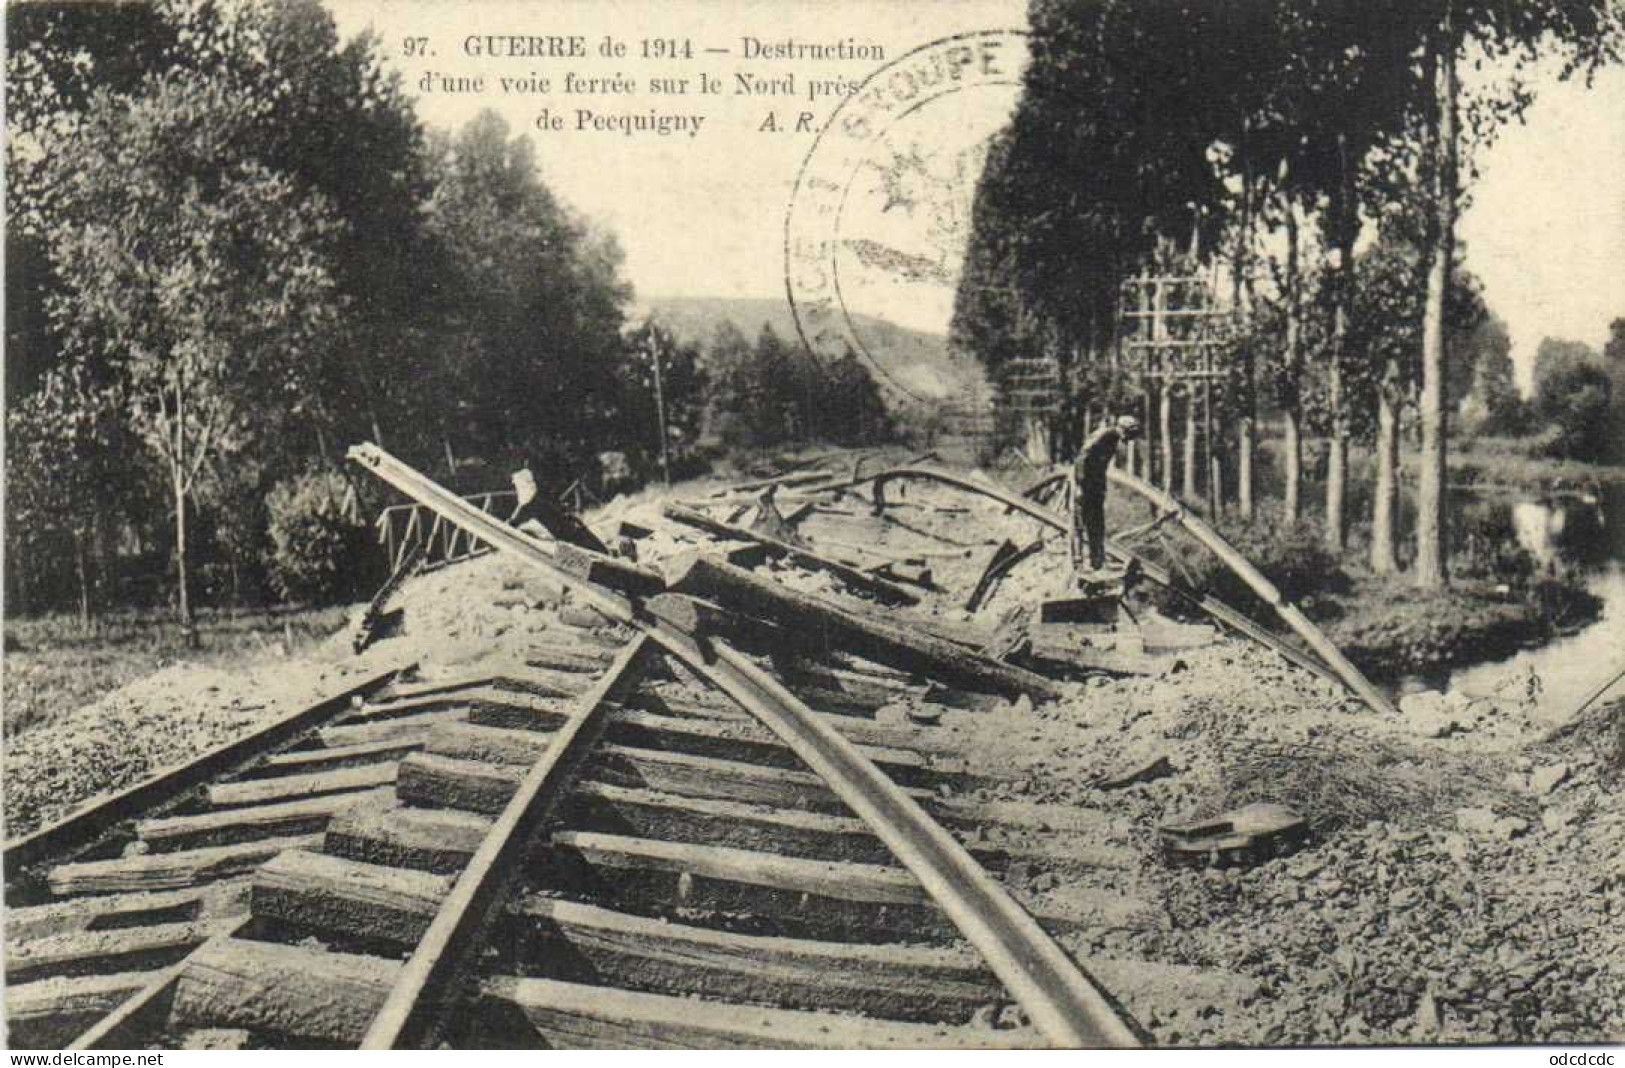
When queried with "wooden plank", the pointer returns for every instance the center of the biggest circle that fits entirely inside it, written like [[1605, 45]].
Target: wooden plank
[[312, 891], [903, 982], [575, 1016], [538, 714], [493, 745], [406, 729], [579, 659], [81, 826], [427, 989], [168, 871], [876, 690], [48, 1014], [533, 691], [328, 758], [298, 787], [820, 898], [856, 578], [254, 822], [899, 645], [446, 782], [668, 817], [816, 835], [729, 780], [286, 990], [122, 949], [423, 839], [108, 911], [608, 572], [835, 701], [135, 1021], [748, 742], [1065, 653]]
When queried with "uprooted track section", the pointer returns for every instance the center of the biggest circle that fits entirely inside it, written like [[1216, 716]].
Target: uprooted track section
[[677, 822]]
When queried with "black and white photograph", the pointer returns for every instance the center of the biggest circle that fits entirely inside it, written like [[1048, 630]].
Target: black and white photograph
[[814, 524]]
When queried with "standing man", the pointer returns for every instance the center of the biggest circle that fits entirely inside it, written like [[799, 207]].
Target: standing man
[[1089, 489]]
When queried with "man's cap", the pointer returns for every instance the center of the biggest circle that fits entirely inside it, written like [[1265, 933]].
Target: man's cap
[[1128, 424]]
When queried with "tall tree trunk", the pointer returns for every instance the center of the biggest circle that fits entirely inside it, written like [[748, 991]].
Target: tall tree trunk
[[1385, 502], [1241, 299], [1346, 221], [1431, 562], [1149, 436], [182, 583], [1337, 452], [1187, 478], [178, 479], [1293, 443], [1165, 434], [1211, 438], [83, 570]]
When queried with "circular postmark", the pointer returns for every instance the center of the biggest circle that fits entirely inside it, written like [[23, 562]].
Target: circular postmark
[[880, 217]]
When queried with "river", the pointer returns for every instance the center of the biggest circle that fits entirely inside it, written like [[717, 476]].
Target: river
[[1572, 532]]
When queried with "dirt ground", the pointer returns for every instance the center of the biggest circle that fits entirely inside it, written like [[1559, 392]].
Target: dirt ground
[[1464, 880]]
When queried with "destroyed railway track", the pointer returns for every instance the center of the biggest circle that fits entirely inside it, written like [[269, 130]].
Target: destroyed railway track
[[649, 833]]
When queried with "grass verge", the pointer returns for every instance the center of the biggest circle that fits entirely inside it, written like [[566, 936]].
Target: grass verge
[[54, 664]]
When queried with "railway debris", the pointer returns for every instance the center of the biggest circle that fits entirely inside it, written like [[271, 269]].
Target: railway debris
[[695, 804]]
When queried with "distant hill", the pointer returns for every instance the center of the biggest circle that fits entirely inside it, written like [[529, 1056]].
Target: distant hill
[[917, 358]]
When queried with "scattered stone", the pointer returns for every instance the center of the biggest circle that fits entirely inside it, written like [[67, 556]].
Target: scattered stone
[[1427, 1015], [1483, 821], [1436, 715], [1546, 779], [1141, 771]]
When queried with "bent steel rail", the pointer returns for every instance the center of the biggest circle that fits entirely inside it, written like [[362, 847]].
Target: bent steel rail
[[1065, 1006], [425, 989], [1333, 664], [85, 824]]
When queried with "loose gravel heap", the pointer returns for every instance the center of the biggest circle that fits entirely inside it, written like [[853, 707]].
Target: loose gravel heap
[[1452, 890], [160, 721]]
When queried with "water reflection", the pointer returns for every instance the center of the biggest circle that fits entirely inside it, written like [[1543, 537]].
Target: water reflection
[[1580, 532]]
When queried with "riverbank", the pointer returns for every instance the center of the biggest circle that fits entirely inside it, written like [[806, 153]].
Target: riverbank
[[1390, 628]]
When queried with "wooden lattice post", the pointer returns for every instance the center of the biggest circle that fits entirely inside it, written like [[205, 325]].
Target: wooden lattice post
[[1171, 343]]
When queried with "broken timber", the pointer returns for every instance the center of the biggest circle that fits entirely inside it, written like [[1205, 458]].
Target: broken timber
[[900, 646], [1332, 663], [852, 576], [1005, 557]]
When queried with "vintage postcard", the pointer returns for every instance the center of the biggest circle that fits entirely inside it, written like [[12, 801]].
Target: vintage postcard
[[902, 524]]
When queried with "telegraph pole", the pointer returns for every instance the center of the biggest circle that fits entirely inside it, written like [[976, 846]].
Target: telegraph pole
[[660, 405]]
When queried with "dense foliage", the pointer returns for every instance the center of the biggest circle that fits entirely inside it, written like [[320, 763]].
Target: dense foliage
[[232, 251]]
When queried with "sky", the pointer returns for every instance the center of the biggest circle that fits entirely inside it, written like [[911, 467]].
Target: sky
[[705, 215]]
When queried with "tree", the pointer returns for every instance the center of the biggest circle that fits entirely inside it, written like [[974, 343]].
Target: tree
[[1587, 33], [1574, 396], [850, 409], [529, 351], [194, 279], [1493, 404], [336, 121], [1613, 360], [1385, 366], [67, 471], [664, 391], [1073, 198]]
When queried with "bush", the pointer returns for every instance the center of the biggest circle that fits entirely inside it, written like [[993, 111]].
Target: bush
[[1290, 555], [318, 539]]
